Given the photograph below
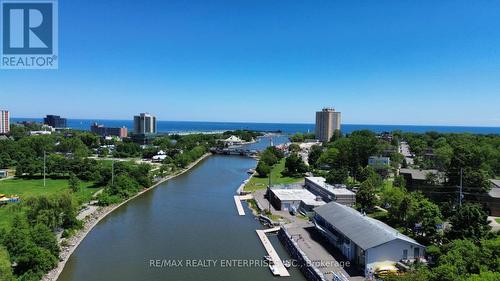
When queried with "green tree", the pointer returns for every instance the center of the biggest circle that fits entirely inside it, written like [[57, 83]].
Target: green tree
[[295, 166], [363, 145], [427, 216], [365, 196], [74, 183], [329, 158], [24, 251], [298, 137], [484, 276], [268, 157], [392, 198], [469, 222], [43, 237], [123, 187], [263, 169], [399, 181], [5, 266], [294, 147], [396, 160], [445, 272], [314, 155], [366, 173], [337, 134], [490, 250], [443, 153], [421, 274], [463, 256], [337, 176]]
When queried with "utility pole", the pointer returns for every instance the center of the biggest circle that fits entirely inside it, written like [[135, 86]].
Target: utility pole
[[44, 167], [269, 192], [461, 187]]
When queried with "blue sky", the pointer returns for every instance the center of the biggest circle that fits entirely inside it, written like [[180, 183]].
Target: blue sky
[[378, 62]]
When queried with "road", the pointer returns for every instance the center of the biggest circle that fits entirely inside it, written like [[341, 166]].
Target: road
[[495, 226], [404, 149]]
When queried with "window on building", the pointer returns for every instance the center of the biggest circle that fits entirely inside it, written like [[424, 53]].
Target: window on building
[[416, 252], [405, 254]]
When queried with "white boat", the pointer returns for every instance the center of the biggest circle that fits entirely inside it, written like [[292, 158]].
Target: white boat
[[273, 268]]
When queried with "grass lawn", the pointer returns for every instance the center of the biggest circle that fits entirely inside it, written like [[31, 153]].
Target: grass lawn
[[25, 188], [497, 220], [257, 183], [378, 215]]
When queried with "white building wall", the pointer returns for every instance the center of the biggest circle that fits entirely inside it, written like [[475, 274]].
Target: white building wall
[[391, 251], [288, 205]]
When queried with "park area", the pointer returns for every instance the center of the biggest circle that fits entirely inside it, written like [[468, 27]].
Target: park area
[[258, 183], [25, 188]]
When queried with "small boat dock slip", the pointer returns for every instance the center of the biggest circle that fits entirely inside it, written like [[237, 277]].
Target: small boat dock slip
[[276, 264], [237, 201]]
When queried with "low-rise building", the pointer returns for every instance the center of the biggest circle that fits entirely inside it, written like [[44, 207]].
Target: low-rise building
[[338, 193], [103, 131], [160, 156], [4, 174], [379, 161], [56, 121], [40, 133], [416, 177], [363, 240], [290, 198], [306, 206], [492, 199], [233, 140]]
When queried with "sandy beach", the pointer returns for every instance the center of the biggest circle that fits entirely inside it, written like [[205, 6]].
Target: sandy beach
[[68, 246]]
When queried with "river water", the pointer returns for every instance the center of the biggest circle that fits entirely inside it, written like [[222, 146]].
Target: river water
[[191, 217]]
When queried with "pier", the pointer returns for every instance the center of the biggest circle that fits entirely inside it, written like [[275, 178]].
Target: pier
[[277, 266], [237, 201]]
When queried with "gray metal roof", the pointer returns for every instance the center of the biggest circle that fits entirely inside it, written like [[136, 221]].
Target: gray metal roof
[[496, 182], [364, 231], [418, 174], [495, 189]]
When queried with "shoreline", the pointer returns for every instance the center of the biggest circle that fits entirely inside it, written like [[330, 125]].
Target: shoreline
[[92, 220]]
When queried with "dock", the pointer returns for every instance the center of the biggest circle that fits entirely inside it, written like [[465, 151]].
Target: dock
[[279, 268], [237, 201]]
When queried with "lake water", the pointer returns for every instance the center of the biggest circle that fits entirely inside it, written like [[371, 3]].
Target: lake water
[[187, 126]]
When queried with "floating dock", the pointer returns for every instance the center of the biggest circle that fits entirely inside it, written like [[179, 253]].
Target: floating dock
[[279, 268], [237, 201]]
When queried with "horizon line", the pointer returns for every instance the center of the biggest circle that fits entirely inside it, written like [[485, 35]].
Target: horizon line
[[275, 123]]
